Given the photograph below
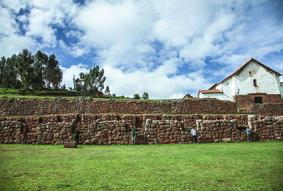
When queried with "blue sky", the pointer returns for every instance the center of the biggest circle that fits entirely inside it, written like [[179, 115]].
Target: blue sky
[[166, 48]]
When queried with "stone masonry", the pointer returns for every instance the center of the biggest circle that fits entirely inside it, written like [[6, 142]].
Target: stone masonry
[[96, 106], [150, 128], [94, 121]]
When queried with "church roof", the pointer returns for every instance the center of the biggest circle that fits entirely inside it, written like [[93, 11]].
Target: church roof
[[247, 63], [241, 68], [212, 91]]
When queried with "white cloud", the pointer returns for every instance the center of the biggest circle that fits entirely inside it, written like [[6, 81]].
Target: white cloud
[[120, 30], [73, 71], [14, 44], [76, 50], [7, 24], [44, 14], [10, 41], [14, 6], [107, 24], [181, 20], [206, 44], [159, 83], [37, 23]]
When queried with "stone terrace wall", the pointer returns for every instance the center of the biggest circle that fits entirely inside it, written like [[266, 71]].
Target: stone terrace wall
[[64, 106], [151, 129], [267, 109], [275, 109], [266, 98]]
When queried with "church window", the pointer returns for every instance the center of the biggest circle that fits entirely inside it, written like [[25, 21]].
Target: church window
[[255, 83]]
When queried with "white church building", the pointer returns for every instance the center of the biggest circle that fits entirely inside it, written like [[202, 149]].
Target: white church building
[[253, 82]]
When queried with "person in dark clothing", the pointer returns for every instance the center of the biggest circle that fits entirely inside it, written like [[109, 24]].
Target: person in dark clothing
[[249, 133], [76, 136], [75, 130]]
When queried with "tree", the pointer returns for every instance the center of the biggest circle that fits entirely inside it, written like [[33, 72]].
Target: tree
[[24, 64], [77, 84], [92, 82], [29, 71], [107, 91], [136, 96], [63, 87], [145, 95], [3, 72], [8, 74], [40, 63], [53, 73], [2, 68]]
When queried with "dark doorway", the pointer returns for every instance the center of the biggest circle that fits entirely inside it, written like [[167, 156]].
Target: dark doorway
[[258, 100]]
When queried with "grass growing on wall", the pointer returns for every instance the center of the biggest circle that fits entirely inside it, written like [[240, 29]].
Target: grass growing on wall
[[239, 166]]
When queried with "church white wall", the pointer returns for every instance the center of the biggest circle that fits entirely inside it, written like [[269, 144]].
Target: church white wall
[[243, 84], [217, 96], [267, 82], [228, 89]]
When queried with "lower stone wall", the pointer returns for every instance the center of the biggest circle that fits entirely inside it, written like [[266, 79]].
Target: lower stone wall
[[150, 129]]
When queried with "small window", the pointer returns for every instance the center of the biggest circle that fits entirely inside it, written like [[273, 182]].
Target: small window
[[258, 99], [250, 72], [238, 92], [255, 83]]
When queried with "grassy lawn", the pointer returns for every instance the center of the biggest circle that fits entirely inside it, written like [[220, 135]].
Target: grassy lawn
[[230, 166]]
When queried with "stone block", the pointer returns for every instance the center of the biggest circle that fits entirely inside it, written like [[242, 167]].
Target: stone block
[[70, 145], [226, 139]]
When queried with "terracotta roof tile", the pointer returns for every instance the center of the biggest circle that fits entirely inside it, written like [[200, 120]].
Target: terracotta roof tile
[[212, 91]]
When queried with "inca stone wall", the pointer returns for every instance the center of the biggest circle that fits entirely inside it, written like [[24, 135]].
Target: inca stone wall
[[150, 129], [56, 121], [96, 106], [267, 109]]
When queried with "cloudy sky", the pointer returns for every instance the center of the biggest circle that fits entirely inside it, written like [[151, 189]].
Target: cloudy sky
[[165, 47]]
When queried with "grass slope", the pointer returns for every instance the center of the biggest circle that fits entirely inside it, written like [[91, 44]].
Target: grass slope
[[43, 94], [239, 166]]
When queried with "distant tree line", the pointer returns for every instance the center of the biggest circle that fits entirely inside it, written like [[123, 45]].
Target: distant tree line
[[42, 72], [30, 72], [144, 96]]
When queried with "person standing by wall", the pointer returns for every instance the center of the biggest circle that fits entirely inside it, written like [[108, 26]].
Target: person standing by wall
[[76, 136], [133, 135], [194, 135], [75, 130], [249, 134]]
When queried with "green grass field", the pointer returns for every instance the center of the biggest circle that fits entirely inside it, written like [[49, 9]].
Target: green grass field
[[230, 166]]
